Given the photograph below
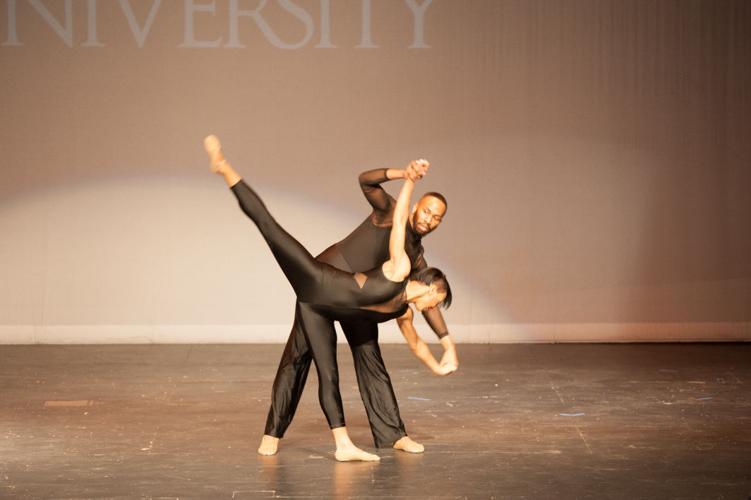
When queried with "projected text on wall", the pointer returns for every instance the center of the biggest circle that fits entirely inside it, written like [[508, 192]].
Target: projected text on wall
[[194, 13]]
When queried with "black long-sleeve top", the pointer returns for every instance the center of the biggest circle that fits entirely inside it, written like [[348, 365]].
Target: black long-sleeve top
[[368, 245]]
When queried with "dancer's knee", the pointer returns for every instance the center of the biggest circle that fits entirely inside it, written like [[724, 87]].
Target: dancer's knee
[[329, 380], [368, 353]]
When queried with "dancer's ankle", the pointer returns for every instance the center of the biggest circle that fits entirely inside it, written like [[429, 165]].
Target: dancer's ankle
[[341, 437]]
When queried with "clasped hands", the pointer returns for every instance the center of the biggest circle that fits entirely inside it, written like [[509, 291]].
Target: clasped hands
[[416, 169], [449, 362]]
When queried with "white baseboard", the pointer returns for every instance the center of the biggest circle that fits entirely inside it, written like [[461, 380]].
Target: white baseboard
[[486, 334], [603, 332]]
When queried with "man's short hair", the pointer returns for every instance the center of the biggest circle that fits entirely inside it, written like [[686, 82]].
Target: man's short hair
[[439, 196]]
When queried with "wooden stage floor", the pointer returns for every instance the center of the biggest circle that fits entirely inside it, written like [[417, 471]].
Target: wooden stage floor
[[516, 421]]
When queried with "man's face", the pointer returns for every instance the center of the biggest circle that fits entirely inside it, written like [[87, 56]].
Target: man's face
[[427, 214]]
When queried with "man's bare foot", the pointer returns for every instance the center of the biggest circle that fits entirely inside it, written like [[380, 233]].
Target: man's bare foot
[[269, 445], [214, 148], [353, 453], [406, 444]]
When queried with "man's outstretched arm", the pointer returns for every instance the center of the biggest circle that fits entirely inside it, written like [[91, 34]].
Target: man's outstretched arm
[[434, 318], [433, 315], [418, 346], [379, 199]]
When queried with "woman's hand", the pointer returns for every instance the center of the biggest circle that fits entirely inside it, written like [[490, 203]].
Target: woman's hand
[[444, 369], [416, 169]]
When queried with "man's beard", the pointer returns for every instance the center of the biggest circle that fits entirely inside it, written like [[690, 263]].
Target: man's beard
[[416, 227]]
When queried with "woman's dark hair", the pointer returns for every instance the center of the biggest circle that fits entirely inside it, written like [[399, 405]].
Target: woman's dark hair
[[431, 275]]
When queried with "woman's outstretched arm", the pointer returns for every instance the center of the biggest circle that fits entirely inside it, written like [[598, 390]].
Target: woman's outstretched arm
[[398, 266]]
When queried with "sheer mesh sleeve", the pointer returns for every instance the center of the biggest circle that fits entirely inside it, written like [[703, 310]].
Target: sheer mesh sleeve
[[379, 199], [434, 317]]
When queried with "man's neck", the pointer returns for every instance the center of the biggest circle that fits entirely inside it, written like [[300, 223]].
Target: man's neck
[[411, 228]]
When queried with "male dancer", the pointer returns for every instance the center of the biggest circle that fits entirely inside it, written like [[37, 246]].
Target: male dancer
[[365, 248]]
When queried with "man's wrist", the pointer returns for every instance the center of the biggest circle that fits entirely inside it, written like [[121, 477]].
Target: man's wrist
[[447, 342]]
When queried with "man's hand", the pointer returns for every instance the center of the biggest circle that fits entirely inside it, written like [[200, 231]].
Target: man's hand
[[444, 369], [416, 169], [450, 357]]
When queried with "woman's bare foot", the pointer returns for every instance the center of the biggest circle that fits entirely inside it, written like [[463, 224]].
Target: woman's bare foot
[[406, 444], [346, 451], [219, 165], [269, 445], [353, 453], [214, 148]]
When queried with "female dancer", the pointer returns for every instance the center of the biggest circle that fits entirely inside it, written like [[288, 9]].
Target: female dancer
[[326, 293]]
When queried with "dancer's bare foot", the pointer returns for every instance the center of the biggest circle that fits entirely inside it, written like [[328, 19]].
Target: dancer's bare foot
[[406, 444], [269, 445], [219, 165], [214, 148], [353, 453]]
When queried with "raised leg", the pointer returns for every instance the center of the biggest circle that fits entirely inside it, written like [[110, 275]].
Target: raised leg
[[301, 269], [218, 164]]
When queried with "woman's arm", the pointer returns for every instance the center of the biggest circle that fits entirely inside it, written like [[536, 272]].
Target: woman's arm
[[398, 266], [418, 346]]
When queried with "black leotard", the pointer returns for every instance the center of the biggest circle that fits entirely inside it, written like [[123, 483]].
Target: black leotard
[[377, 313], [316, 282], [366, 247], [324, 294]]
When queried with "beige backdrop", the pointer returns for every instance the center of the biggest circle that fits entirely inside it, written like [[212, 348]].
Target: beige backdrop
[[595, 155]]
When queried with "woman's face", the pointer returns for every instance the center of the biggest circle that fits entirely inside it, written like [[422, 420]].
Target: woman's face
[[430, 299]]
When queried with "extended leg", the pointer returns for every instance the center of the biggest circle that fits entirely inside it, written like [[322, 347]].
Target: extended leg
[[288, 386], [301, 269]]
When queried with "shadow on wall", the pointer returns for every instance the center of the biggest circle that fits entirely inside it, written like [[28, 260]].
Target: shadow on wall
[[155, 251]]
